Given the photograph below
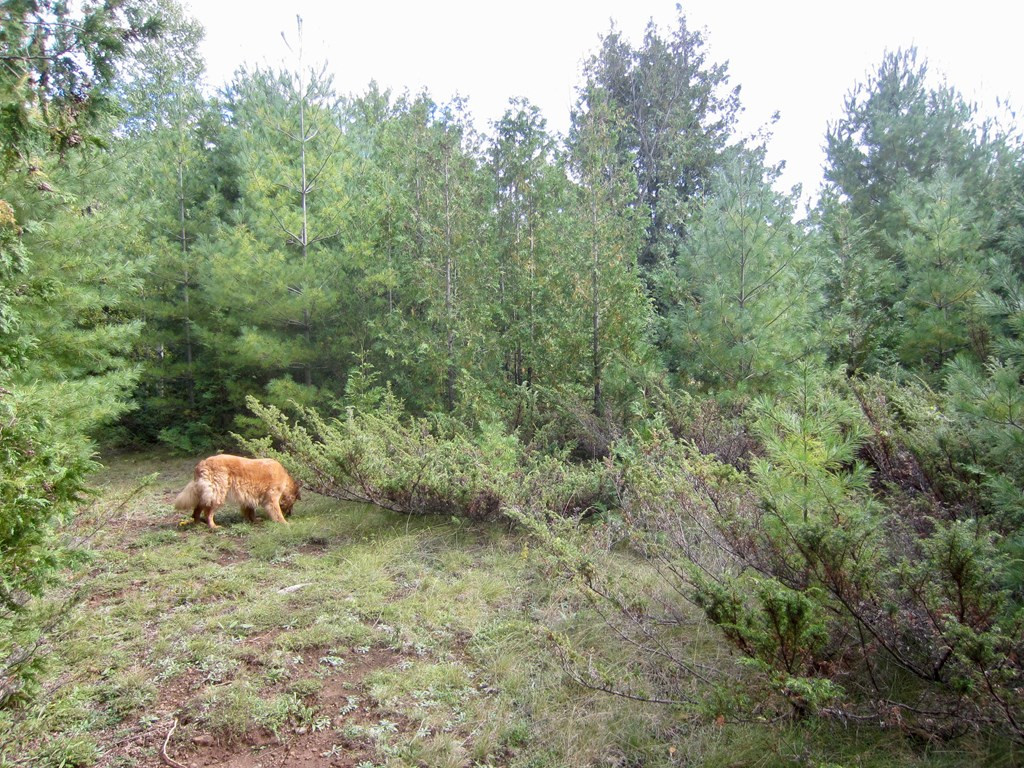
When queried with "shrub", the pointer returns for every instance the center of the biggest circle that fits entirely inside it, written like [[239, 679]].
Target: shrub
[[844, 598], [376, 453], [41, 480]]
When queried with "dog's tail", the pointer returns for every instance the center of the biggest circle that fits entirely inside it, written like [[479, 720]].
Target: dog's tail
[[189, 496]]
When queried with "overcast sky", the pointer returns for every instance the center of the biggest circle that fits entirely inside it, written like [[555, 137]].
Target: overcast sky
[[799, 57]]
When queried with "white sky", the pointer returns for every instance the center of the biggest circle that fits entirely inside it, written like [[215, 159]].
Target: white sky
[[799, 57]]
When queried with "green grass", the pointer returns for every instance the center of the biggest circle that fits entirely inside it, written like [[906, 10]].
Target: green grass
[[399, 641]]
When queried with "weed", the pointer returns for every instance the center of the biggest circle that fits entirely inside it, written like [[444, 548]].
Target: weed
[[336, 750], [283, 711], [127, 692], [217, 669], [305, 688], [231, 709], [67, 752], [351, 704]]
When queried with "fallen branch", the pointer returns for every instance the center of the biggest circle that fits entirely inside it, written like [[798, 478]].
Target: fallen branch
[[167, 759]]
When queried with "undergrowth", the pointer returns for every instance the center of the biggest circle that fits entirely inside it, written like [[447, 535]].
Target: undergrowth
[[378, 638]]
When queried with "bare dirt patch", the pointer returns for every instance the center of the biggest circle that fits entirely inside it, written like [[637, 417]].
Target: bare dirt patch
[[341, 702]]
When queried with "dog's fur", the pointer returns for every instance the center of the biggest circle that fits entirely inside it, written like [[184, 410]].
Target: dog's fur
[[249, 482]]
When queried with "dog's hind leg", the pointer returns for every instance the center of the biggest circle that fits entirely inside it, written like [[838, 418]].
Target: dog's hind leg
[[210, 512], [249, 513]]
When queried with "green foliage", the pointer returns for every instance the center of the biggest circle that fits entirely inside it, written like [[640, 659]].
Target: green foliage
[[989, 405], [42, 479], [812, 534], [67, 752], [619, 311], [417, 465], [810, 441], [941, 249], [59, 61], [739, 308], [677, 116], [915, 204], [64, 332], [168, 138], [897, 130], [284, 246], [926, 591], [535, 252], [12, 267], [442, 321], [842, 598], [861, 301], [430, 290]]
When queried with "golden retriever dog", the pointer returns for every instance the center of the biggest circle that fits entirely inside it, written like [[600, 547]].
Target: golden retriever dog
[[250, 483]]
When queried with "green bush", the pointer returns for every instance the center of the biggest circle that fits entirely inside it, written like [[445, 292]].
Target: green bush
[[42, 479], [846, 594], [377, 453]]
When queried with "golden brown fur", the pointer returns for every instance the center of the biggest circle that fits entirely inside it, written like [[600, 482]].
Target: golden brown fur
[[249, 482]]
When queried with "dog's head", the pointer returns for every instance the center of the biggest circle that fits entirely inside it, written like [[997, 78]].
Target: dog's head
[[293, 494]]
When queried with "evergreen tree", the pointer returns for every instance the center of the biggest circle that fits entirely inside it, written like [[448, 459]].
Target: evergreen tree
[[900, 143], [433, 203], [678, 115], [739, 306], [277, 278], [172, 187], [612, 235], [896, 130], [862, 298], [63, 329], [531, 290], [947, 271]]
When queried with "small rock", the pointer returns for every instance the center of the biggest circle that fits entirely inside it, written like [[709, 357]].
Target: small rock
[[301, 730], [203, 740]]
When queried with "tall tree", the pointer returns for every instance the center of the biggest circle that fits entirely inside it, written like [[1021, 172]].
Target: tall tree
[[527, 183], [947, 272], [612, 235], [167, 141], [433, 203], [679, 114], [862, 291], [277, 276], [739, 305], [897, 129], [63, 330], [899, 135]]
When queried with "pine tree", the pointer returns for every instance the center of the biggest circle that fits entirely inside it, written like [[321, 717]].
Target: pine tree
[[896, 130], [946, 271], [173, 190], [862, 305], [678, 117], [277, 278], [738, 308], [902, 151], [612, 236], [64, 332]]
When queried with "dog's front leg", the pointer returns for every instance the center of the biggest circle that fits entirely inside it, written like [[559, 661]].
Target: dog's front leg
[[274, 509]]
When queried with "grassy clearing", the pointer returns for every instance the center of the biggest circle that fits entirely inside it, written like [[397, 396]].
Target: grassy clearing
[[356, 637]]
